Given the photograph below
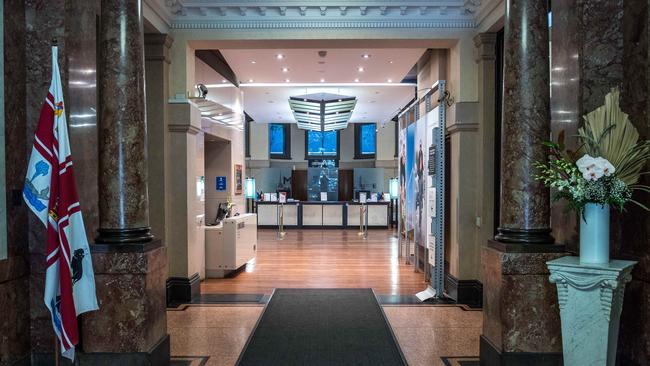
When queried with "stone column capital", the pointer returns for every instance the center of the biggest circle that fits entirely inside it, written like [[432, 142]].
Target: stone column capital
[[156, 47], [485, 43]]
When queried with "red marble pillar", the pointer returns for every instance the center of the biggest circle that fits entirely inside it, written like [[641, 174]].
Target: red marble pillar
[[521, 323], [130, 266]]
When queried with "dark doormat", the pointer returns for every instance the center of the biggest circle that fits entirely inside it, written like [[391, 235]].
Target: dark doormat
[[322, 327]]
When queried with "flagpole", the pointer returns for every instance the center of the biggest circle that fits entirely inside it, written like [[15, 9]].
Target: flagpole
[[57, 348], [57, 352]]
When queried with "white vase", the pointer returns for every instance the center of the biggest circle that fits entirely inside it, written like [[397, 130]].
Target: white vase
[[594, 234]]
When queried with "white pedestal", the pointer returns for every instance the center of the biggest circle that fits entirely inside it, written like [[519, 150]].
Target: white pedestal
[[591, 299]]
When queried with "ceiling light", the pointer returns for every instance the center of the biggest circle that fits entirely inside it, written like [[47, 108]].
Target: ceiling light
[[322, 80], [356, 80], [390, 62], [390, 80], [287, 80], [285, 69], [253, 62], [279, 56], [365, 55], [360, 69], [250, 80], [224, 80]]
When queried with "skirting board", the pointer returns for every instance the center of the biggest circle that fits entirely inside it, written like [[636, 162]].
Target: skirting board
[[491, 356], [467, 292], [158, 356], [181, 290]]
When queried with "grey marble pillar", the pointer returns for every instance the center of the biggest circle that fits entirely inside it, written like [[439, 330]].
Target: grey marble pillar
[[521, 322], [525, 203], [130, 326], [123, 201]]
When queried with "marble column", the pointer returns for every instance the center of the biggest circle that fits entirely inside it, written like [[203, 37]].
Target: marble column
[[525, 203], [123, 203], [130, 266], [521, 323]]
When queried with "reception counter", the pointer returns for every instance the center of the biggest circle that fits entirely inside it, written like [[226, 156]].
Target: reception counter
[[322, 215]]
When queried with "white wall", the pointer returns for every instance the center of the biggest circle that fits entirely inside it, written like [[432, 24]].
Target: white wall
[[386, 142], [259, 141]]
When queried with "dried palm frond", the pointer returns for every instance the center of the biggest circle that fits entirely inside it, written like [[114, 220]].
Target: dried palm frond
[[609, 133]]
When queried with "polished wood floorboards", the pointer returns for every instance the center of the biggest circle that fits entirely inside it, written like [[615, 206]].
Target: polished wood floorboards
[[323, 259]]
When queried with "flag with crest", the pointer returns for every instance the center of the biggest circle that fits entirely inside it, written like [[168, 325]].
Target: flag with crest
[[50, 192]]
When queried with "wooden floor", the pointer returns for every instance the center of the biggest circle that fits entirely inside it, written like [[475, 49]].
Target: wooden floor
[[323, 259]]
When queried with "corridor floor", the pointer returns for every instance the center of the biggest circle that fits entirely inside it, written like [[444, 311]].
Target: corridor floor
[[214, 335], [323, 259]]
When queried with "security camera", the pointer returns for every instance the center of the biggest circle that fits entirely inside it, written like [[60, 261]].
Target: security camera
[[202, 89]]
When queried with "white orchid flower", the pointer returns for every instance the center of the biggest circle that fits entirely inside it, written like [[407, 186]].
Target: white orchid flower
[[585, 162], [594, 168], [606, 166]]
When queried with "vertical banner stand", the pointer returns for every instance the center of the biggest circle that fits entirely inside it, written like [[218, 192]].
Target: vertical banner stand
[[435, 272], [438, 221], [280, 214]]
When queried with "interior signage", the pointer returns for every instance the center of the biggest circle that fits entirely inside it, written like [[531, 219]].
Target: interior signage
[[221, 183]]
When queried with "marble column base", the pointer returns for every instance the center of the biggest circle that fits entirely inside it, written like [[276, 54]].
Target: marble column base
[[590, 299], [521, 320], [131, 321]]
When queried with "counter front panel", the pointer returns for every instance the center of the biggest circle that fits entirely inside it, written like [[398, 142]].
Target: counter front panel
[[329, 214]]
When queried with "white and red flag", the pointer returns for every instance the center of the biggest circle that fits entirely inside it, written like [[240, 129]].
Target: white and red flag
[[51, 193]]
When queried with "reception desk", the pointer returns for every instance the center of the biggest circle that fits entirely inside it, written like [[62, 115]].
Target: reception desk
[[322, 215]]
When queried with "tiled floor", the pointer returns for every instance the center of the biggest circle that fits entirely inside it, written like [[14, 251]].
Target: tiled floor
[[426, 334]]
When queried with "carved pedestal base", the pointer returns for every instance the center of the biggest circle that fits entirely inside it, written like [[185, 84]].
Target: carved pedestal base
[[590, 299]]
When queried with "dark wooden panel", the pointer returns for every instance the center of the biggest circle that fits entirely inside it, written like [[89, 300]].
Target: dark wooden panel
[[299, 184], [346, 184]]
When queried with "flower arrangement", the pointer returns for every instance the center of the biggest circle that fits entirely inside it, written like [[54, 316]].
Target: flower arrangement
[[610, 163]]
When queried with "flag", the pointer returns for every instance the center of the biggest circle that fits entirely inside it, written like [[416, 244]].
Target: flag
[[50, 192]]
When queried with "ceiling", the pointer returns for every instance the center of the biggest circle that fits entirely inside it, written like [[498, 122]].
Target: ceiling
[[374, 103], [306, 66], [267, 87]]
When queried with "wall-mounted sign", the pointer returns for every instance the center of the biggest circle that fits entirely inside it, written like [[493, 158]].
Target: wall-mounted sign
[[432, 160], [221, 183], [239, 184]]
